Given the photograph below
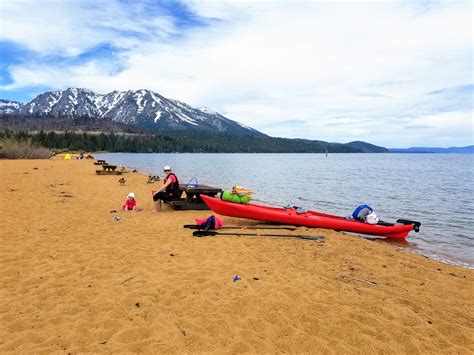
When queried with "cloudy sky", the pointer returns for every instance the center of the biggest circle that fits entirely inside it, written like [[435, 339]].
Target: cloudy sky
[[392, 73]]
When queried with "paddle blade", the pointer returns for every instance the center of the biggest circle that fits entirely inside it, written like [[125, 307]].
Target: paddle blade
[[191, 226], [202, 233]]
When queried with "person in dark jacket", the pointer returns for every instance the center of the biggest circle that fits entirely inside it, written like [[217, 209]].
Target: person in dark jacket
[[169, 191]]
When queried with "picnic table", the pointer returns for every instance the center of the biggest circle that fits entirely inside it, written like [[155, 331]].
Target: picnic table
[[193, 200], [100, 162], [108, 169]]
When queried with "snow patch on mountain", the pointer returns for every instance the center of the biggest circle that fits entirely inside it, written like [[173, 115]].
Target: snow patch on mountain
[[208, 110], [155, 97], [9, 106], [157, 116], [55, 96]]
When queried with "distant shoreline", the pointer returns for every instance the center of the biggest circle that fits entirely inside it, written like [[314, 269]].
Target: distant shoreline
[[409, 152], [459, 150]]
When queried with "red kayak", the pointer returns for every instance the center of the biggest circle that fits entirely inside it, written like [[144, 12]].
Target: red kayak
[[310, 219]]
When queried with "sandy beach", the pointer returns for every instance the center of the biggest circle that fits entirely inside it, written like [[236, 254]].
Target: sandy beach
[[74, 279]]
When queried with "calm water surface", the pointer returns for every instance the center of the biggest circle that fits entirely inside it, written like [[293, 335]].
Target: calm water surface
[[435, 189]]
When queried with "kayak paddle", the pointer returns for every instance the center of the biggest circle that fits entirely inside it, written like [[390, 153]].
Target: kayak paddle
[[193, 226], [202, 233]]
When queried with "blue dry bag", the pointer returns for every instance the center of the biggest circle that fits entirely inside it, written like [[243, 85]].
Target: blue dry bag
[[361, 212]]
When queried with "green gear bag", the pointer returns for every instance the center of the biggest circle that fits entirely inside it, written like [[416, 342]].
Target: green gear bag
[[235, 198]]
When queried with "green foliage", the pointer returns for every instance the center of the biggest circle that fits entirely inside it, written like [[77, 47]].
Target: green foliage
[[180, 142]]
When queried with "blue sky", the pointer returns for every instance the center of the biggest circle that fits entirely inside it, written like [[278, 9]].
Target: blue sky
[[393, 73]]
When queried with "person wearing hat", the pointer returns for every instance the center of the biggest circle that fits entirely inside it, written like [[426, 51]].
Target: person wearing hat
[[169, 191], [131, 203]]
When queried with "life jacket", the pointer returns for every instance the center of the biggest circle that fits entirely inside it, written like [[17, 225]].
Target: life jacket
[[173, 188], [209, 223]]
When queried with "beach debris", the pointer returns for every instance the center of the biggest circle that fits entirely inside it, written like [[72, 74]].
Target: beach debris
[[236, 278], [117, 218], [122, 181], [369, 282], [128, 279], [64, 194], [113, 211], [172, 254], [182, 331], [137, 305], [256, 278], [103, 342]]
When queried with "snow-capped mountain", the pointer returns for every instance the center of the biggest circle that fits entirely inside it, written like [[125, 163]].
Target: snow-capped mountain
[[141, 108], [9, 106]]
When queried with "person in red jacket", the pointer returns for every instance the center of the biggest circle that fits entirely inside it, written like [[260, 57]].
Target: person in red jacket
[[131, 203], [169, 191]]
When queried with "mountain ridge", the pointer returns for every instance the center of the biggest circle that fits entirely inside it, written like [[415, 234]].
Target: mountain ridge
[[365, 147], [142, 108], [142, 111]]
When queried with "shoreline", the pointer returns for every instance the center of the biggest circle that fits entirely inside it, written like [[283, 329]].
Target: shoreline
[[447, 259], [76, 280]]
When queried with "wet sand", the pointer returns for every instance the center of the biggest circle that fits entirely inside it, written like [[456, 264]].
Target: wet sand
[[73, 279]]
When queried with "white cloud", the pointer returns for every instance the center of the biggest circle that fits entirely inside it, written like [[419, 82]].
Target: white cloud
[[71, 27], [347, 70]]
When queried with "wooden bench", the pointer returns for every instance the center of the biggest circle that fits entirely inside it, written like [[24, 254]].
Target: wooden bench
[[193, 200]]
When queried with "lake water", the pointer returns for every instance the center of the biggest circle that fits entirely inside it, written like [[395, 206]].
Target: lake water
[[435, 189]]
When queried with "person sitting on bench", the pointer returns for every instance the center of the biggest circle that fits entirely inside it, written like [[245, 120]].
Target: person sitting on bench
[[169, 191]]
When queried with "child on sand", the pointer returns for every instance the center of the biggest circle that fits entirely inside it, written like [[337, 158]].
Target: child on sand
[[131, 203]]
